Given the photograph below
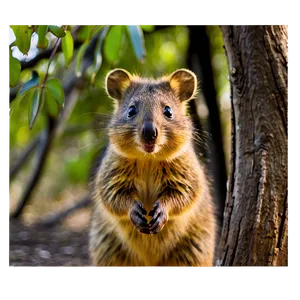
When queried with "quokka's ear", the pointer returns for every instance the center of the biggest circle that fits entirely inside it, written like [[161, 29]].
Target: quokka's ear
[[184, 83], [116, 82]]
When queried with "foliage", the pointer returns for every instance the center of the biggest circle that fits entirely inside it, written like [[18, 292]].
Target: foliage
[[39, 91], [40, 88]]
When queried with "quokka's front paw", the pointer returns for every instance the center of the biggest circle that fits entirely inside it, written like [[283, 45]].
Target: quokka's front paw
[[137, 217], [159, 217]]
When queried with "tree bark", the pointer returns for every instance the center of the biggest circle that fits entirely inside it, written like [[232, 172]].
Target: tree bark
[[256, 212]]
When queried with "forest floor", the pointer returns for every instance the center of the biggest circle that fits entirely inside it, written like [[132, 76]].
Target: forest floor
[[41, 246], [61, 247]]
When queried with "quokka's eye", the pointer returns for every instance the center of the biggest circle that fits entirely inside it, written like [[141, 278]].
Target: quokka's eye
[[168, 112], [132, 111]]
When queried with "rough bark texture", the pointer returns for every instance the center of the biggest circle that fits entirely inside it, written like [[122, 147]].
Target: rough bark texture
[[256, 211]]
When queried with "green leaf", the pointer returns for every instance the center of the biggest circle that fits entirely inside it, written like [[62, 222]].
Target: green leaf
[[51, 104], [98, 53], [57, 31], [86, 32], [95, 30], [83, 33], [112, 44], [34, 81], [14, 70], [89, 29], [68, 47], [79, 58], [148, 28], [138, 42], [20, 99], [23, 37], [43, 41], [34, 105], [55, 90]]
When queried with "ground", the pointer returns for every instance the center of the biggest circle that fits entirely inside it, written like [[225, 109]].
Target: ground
[[65, 244], [40, 246]]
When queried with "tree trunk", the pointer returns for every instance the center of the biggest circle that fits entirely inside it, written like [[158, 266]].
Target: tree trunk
[[256, 212], [199, 61]]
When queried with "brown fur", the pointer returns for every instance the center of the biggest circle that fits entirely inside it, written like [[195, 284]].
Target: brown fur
[[171, 175]]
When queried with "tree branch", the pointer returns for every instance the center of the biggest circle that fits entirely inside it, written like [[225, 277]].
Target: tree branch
[[47, 53], [44, 55], [54, 127], [45, 142], [42, 152], [59, 126], [53, 219], [68, 87], [70, 130]]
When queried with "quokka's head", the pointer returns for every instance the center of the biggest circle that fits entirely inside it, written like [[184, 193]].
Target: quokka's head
[[150, 119]]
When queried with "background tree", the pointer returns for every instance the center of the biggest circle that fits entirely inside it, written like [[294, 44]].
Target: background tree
[[256, 214], [199, 60]]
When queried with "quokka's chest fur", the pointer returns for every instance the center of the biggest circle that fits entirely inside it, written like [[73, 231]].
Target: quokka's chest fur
[[148, 179]]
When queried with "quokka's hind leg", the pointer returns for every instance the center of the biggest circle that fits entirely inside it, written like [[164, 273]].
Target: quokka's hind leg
[[188, 252], [172, 264], [111, 252], [184, 261], [115, 264]]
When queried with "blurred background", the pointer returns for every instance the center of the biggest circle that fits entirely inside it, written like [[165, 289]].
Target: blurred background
[[50, 163]]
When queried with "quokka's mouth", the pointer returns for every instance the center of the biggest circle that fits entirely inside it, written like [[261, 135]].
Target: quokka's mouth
[[149, 147]]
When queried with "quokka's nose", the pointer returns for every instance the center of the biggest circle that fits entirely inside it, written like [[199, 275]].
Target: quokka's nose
[[149, 132]]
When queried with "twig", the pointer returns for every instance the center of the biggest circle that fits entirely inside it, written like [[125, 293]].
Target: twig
[[47, 53], [57, 43], [53, 219], [43, 149], [67, 87], [44, 55], [46, 141]]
